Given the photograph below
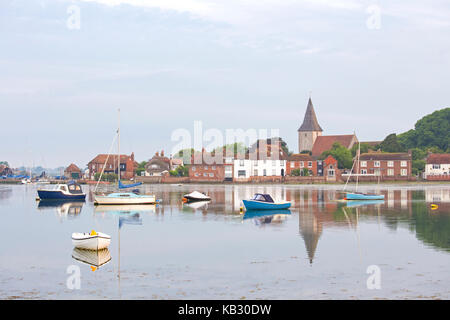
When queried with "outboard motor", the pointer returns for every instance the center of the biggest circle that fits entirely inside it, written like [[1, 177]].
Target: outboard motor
[[136, 191]]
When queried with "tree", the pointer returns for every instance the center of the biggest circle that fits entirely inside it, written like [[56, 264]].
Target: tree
[[364, 148], [180, 171], [391, 144], [5, 163], [141, 168], [295, 172], [341, 154], [433, 130]]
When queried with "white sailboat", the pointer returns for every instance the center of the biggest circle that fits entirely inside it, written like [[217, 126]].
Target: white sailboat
[[119, 198]]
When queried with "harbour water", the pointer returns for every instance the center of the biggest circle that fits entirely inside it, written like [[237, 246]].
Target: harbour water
[[322, 249]]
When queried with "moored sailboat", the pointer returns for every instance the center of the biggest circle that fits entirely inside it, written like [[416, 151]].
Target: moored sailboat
[[118, 198]]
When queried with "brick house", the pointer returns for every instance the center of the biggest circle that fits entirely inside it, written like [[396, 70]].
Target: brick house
[[384, 166], [205, 167], [128, 165], [301, 161], [72, 172], [324, 143], [438, 167]]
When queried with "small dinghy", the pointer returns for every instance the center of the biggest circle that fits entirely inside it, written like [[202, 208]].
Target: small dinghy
[[264, 202], [196, 196], [91, 241]]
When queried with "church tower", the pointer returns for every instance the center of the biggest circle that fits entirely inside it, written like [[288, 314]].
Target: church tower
[[309, 130]]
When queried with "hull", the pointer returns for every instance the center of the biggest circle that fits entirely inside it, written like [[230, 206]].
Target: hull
[[124, 198], [58, 195], [191, 199], [362, 196], [90, 242], [259, 205]]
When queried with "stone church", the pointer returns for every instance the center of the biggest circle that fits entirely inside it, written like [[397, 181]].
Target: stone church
[[310, 136]]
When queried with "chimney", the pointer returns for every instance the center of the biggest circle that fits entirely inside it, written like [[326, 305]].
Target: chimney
[[157, 154], [162, 153]]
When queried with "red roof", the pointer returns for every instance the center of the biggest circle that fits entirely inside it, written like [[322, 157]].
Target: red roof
[[300, 157], [101, 158], [72, 168], [436, 158], [324, 143]]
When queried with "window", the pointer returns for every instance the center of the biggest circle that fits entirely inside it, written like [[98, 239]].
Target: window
[[110, 166], [255, 163], [205, 174], [390, 164], [241, 163], [309, 164], [376, 164], [403, 164], [93, 167], [292, 164], [436, 166], [301, 164], [196, 174], [274, 163], [211, 175], [331, 173], [404, 172], [193, 168], [363, 171], [363, 163], [255, 172], [264, 172], [377, 172], [214, 167], [274, 172], [390, 172], [241, 173], [206, 167]]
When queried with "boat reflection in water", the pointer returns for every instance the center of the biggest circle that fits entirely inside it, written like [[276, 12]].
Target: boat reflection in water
[[125, 209], [360, 203], [197, 205], [94, 258], [64, 209], [267, 216]]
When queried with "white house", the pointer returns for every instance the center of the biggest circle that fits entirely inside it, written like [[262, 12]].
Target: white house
[[438, 165], [244, 169]]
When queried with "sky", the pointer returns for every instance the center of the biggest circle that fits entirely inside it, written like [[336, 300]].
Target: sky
[[373, 67]]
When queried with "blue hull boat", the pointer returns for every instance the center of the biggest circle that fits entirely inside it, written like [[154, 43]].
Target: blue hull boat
[[363, 196], [260, 205], [70, 191]]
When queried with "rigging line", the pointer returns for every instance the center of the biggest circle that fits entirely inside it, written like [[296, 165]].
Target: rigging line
[[104, 165]]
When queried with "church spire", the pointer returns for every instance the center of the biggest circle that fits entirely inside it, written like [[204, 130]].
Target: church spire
[[310, 122]]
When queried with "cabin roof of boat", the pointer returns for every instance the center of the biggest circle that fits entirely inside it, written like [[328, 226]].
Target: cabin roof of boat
[[262, 197]]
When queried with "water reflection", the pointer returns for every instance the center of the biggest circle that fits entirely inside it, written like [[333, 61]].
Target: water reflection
[[93, 258], [5, 192], [63, 209], [261, 218]]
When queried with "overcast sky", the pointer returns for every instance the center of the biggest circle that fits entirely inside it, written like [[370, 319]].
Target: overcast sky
[[375, 67]]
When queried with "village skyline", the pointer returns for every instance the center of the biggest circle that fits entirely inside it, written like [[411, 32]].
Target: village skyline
[[67, 66]]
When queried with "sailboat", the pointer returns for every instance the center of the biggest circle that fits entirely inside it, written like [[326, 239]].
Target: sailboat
[[359, 195], [119, 198]]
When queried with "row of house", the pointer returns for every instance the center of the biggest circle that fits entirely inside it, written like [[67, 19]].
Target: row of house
[[267, 161]]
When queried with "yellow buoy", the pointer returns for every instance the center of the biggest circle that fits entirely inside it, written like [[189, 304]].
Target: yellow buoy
[[434, 206], [93, 233]]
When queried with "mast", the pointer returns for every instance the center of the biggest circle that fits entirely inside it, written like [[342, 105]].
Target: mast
[[118, 150], [357, 170]]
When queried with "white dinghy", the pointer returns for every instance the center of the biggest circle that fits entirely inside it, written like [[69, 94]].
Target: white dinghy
[[196, 196], [91, 241]]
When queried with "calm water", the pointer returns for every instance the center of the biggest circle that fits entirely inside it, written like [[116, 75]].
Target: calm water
[[322, 249]]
